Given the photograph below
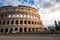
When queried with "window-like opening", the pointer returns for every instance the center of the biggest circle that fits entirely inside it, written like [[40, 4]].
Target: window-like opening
[[40, 23], [2, 16], [21, 22], [28, 22], [21, 29], [35, 22], [8, 22], [25, 29], [25, 22], [28, 9], [12, 22], [0, 22], [36, 29], [3, 22], [11, 29], [16, 29], [16, 22], [6, 30], [33, 29], [32, 22], [5, 15], [2, 30], [29, 29]]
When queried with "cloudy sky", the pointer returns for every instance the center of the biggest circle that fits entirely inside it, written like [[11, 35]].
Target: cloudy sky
[[49, 10]]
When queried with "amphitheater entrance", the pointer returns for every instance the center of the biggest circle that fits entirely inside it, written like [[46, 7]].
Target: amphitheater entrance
[[29, 29], [33, 29], [2, 30], [6, 30], [21, 29], [11, 29], [16, 30], [25, 29]]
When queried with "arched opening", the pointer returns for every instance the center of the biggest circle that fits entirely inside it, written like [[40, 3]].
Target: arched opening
[[25, 29], [8, 22], [3, 22], [6, 30], [5, 15], [11, 29], [12, 22], [2, 30], [0, 22], [32, 22], [35, 22], [29, 29], [36, 29], [33, 29], [21, 22], [16, 29], [38, 23], [28, 22], [20, 29], [2, 16], [16, 22], [25, 22]]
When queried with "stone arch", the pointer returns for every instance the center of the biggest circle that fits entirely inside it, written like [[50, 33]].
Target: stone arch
[[5, 15], [2, 30], [32, 22], [33, 29], [16, 29], [0, 22], [3, 22], [8, 22], [11, 29], [21, 21], [21, 29], [16, 22], [2, 16], [25, 22], [28, 22], [6, 30], [12, 22], [29, 29], [25, 29]]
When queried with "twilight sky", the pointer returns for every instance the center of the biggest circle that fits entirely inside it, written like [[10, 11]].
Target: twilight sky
[[49, 10]]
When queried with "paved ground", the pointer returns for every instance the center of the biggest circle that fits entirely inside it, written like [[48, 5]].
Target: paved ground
[[29, 38]]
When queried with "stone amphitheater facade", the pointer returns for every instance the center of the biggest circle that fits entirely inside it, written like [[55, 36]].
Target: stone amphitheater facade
[[19, 19]]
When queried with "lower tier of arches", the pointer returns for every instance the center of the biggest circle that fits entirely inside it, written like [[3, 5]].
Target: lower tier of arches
[[19, 30]]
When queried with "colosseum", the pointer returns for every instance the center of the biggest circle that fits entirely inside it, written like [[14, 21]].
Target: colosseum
[[17, 19]]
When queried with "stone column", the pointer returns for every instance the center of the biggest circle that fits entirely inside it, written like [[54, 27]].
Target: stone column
[[34, 29], [23, 30], [8, 30], [27, 29], [31, 30], [3, 30], [10, 22], [14, 22], [18, 22], [18, 30], [13, 30]]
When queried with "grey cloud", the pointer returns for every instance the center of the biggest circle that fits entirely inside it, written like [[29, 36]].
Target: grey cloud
[[57, 0], [46, 5]]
